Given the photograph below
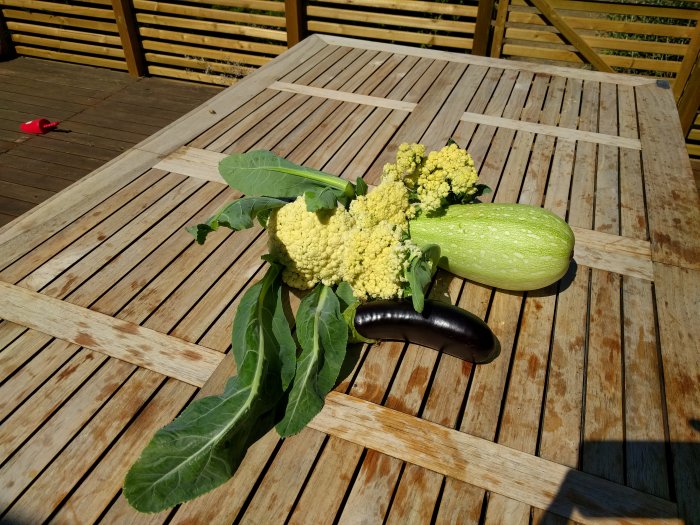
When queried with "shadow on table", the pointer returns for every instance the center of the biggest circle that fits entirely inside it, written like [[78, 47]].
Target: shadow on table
[[670, 471]]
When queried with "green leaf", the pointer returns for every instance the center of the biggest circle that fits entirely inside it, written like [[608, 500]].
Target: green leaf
[[361, 186], [323, 336], [258, 173], [348, 305], [420, 273], [202, 447], [237, 215], [323, 200]]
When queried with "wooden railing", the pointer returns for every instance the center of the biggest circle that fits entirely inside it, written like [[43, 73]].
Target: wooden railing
[[218, 41]]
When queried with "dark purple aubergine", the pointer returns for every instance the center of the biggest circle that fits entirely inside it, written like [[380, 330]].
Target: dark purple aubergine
[[440, 326]]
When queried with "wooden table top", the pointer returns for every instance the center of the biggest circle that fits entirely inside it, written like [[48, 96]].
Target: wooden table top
[[114, 319]]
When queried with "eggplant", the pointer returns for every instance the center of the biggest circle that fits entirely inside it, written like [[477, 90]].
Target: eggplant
[[440, 326]]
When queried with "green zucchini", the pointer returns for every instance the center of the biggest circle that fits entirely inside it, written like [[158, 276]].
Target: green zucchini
[[509, 246]]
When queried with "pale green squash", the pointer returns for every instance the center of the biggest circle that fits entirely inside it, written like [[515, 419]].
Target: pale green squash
[[508, 246]]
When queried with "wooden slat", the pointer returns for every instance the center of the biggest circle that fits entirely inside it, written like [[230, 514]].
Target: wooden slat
[[677, 299], [332, 94], [673, 212], [529, 479], [70, 57], [554, 131], [129, 342], [90, 12], [211, 25]]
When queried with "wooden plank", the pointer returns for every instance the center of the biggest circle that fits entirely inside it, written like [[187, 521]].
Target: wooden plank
[[60, 210], [443, 406], [672, 227], [499, 28], [20, 386], [194, 24], [605, 251], [520, 417], [112, 213], [529, 479], [242, 16], [677, 298], [554, 131], [194, 162], [70, 57], [83, 504], [644, 417], [689, 60], [478, 141], [375, 131], [127, 341], [491, 90], [37, 405], [489, 62], [327, 66], [56, 482], [604, 413], [374, 485], [23, 467], [343, 96]]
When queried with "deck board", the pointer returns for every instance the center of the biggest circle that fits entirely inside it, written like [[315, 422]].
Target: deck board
[[97, 123]]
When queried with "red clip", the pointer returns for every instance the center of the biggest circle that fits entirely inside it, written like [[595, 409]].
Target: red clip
[[38, 126]]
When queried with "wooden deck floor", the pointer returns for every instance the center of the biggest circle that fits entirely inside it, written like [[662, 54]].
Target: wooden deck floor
[[102, 114]]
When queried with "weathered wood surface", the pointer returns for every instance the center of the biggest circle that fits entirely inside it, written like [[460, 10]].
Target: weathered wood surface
[[114, 319], [103, 114]]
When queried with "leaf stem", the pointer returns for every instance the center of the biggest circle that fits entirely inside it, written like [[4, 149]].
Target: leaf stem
[[324, 178]]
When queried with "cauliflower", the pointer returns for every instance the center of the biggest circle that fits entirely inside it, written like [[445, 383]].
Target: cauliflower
[[442, 174], [387, 202], [367, 245], [310, 245], [376, 259]]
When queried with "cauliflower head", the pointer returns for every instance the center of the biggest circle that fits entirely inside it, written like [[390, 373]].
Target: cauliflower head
[[367, 246], [310, 245], [434, 178], [387, 202], [376, 259]]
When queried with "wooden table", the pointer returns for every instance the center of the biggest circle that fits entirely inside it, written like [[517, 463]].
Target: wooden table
[[114, 319]]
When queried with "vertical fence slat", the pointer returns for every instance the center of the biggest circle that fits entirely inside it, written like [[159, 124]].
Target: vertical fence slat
[[689, 101], [295, 13], [129, 34], [499, 28], [483, 27], [687, 64]]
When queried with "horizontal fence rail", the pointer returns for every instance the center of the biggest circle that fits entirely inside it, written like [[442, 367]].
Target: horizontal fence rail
[[220, 41]]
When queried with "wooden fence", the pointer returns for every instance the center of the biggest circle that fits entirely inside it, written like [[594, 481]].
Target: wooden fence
[[218, 41]]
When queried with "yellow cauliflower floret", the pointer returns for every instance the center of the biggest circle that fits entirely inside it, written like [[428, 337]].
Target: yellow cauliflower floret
[[387, 202], [376, 258], [311, 246], [409, 160], [450, 170]]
